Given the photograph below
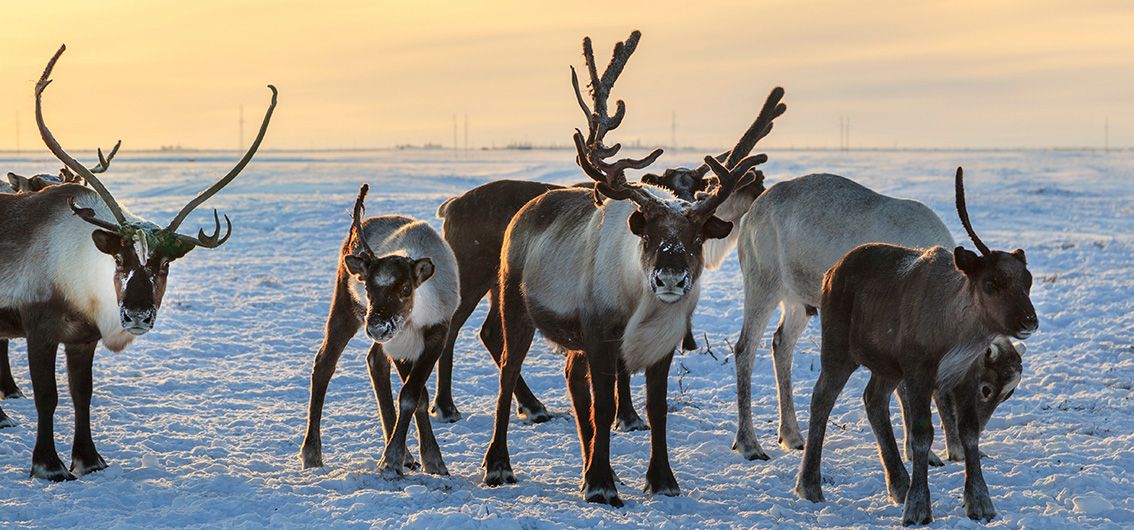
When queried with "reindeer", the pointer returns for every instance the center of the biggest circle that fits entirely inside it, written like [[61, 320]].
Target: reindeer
[[922, 318], [398, 276], [791, 235], [21, 184], [474, 225], [616, 282], [45, 237]]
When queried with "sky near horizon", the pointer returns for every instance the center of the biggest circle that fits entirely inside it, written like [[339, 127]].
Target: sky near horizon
[[377, 74]]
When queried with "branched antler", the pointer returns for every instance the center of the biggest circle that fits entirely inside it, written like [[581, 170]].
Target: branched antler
[[728, 180], [356, 221], [592, 152], [772, 109], [963, 213]]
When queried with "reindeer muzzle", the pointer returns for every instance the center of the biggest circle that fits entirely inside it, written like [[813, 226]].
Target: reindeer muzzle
[[138, 321], [671, 285]]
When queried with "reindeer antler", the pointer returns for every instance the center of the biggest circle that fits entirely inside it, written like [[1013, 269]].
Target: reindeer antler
[[963, 213], [170, 232], [728, 180], [356, 221], [760, 128], [57, 150], [592, 153], [103, 164]]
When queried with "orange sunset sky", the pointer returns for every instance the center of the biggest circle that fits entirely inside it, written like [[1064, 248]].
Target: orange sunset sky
[[376, 74]]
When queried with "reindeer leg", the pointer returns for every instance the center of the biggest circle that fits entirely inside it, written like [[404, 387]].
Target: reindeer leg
[[918, 509], [443, 407], [947, 409], [876, 398], [659, 475], [8, 388], [903, 401], [379, 367], [793, 320], [579, 389], [627, 419], [342, 324], [518, 333], [758, 307], [978, 503], [428, 449], [598, 477], [529, 406], [41, 361], [80, 360], [836, 368], [409, 401]]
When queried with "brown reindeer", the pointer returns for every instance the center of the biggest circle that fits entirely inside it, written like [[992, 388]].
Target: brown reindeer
[[616, 282], [21, 184], [920, 318], [397, 276], [56, 287]]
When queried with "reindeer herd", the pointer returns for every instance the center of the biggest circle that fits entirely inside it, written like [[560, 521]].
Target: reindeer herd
[[608, 271]]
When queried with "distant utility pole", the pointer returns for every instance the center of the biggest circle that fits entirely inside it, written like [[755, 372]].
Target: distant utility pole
[[1106, 134], [844, 133], [241, 144], [673, 131], [466, 135]]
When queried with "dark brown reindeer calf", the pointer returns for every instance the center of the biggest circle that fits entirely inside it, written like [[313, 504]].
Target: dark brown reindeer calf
[[921, 318]]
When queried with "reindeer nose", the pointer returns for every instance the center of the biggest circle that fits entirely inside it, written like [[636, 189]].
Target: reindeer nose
[[671, 280], [1030, 322], [380, 331], [138, 321]]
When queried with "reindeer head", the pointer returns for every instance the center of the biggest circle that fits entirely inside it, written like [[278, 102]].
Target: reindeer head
[[390, 281], [672, 231], [999, 281], [22, 184], [142, 250], [998, 374]]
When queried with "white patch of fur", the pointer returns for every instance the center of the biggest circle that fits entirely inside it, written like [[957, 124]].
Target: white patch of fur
[[957, 361], [655, 329]]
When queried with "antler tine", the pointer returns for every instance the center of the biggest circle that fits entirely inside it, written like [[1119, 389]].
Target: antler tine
[[212, 190], [356, 220], [761, 127], [599, 121], [104, 161], [727, 181], [207, 240], [88, 215], [57, 150], [963, 213]]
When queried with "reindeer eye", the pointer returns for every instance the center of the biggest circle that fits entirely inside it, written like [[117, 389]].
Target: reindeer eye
[[990, 285], [986, 391], [406, 290]]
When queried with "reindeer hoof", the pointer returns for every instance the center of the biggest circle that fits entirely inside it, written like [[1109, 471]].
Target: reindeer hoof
[[10, 392], [499, 477], [751, 451], [51, 470], [538, 415], [388, 469], [661, 483], [899, 489], [445, 412], [791, 441], [84, 466], [917, 510], [935, 460], [602, 495], [630, 424], [808, 491], [310, 457], [979, 508]]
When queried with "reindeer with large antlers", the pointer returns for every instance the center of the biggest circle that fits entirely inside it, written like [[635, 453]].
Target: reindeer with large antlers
[[920, 318], [56, 287], [616, 282]]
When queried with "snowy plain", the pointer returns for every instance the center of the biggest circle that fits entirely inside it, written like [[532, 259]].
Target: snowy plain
[[201, 419]]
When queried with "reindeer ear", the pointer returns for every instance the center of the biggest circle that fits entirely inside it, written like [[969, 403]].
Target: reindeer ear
[[966, 261], [356, 265], [19, 184], [637, 223], [422, 270], [1019, 254], [107, 242], [716, 228]]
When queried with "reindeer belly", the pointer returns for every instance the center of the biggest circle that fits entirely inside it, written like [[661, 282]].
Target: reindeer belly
[[562, 331]]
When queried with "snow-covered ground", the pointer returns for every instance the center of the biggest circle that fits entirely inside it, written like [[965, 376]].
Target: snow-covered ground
[[202, 418]]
